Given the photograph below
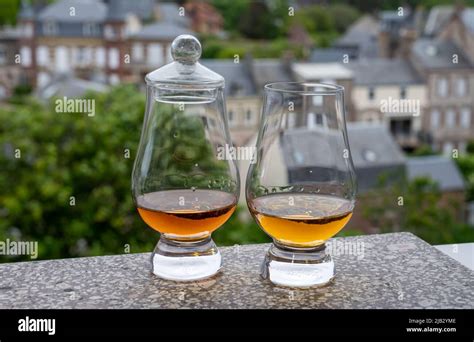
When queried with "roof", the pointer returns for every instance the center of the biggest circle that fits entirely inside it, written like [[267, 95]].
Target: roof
[[440, 169], [330, 55], [266, 70], [439, 16], [438, 54], [308, 149], [366, 154], [362, 35], [238, 81], [321, 71], [379, 71], [119, 9], [85, 11], [161, 30], [66, 85], [170, 12]]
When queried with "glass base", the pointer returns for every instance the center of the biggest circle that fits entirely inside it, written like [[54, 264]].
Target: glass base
[[185, 260], [298, 267]]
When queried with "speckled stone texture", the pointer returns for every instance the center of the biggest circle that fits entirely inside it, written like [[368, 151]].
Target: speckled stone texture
[[394, 271]]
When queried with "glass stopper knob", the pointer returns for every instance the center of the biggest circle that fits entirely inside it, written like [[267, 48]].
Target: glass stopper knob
[[186, 49]]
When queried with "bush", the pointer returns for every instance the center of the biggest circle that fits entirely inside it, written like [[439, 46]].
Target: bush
[[71, 158]]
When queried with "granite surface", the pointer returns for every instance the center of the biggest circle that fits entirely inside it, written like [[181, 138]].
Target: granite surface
[[374, 271]]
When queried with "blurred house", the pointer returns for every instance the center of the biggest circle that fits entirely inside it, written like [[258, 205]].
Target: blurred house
[[106, 40], [405, 58], [331, 73], [392, 92], [360, 40], [10, 71], [243, 103], [204, 17], [375, 154], [446, 61], [444, 171], [269, 70]]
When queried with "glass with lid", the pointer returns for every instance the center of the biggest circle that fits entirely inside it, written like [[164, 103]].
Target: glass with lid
[[181, 185]]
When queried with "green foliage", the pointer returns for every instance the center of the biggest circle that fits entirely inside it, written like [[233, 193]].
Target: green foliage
[[466, 166], [72, 154], [257, 22], [231, 11], [415, 206], [423, 150], [8, 11], [343, 16], [215, 48], [240, 229]]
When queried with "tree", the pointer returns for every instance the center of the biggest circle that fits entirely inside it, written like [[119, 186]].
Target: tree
[[466, 166], [65, 177], [257, 22], [415, 206]]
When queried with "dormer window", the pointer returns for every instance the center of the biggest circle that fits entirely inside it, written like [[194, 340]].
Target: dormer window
[[442, 87], [89, 29], [50, 28], [109, 32]]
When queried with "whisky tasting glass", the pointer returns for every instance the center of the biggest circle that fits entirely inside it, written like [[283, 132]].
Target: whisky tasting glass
[[180, 185], [301, 187]]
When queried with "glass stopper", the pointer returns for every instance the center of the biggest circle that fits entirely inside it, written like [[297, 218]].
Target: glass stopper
[[186, 49]]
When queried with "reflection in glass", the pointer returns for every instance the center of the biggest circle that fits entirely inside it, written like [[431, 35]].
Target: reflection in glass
[[301, 190]]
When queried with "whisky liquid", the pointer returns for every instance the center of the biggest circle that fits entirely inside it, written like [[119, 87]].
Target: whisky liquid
[[186, 214], [301, 220]]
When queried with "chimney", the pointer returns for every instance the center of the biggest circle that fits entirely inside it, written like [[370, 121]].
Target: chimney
[[407, 38]]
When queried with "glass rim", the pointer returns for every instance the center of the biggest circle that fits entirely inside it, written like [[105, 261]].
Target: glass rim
[[287, 87]]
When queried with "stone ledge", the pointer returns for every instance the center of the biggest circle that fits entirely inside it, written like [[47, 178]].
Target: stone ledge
[[395, 271]]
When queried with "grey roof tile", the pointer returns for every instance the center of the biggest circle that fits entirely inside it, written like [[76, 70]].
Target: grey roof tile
[[269, 70], [376, 71], [440, 169], [161, 30], [84, 11], [438, 54], [238, 81]]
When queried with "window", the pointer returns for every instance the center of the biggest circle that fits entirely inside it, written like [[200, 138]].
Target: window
[[155, 54], [403, 92], [50, 28], [442, 87], [230, 113], [42, 55], [100, 57], [466, 117], [89, 29], [62, 59], [450, 118], [3, 55], [291, 119], [25, 53], [461, 87], [109, 32], [371, 93], [317, 100], [311, 120], [114, 58], [137, 52], [248, 115], [435, 118]]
